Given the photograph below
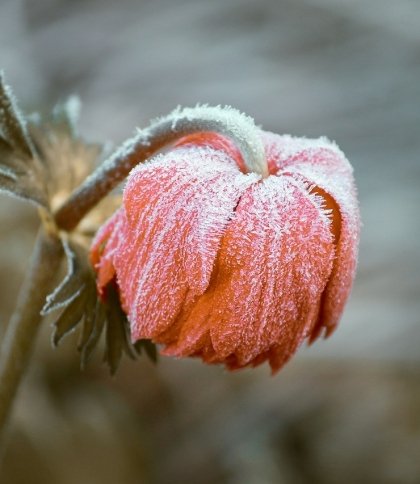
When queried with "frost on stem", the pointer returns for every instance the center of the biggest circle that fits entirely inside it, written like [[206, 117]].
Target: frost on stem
[[162, 131], [227, 121]]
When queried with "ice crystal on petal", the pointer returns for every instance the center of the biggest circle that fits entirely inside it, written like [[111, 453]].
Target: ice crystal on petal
[[271, 268], [233, 268], [176, 208], [322, 164]]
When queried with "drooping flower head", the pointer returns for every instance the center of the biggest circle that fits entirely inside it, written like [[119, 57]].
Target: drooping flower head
[[213, 261]]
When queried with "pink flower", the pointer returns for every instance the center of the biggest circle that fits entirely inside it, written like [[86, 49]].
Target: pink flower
[[237, 269]]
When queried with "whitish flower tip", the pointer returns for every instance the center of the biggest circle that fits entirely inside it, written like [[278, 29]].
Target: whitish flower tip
[[230, 122]]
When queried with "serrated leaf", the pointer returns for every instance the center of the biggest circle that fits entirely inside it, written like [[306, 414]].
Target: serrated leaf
[[15, 189], [21, 173], [76, 294], [81, 308], [79, 276], [17, 176], [12, 122], [69, 319]]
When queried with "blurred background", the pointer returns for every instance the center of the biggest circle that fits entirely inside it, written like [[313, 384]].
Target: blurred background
[[343, 411]]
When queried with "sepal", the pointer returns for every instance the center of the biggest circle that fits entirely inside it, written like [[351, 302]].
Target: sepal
[[83, 310]]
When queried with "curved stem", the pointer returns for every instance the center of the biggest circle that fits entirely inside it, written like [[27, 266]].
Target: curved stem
[[39, 281], [23, 327], [227, 121]]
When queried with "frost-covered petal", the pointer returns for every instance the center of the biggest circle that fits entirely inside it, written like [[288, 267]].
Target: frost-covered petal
[[229, 267], [273, 264], [217, 142], [177, 208], [321, 163], [104, 245]]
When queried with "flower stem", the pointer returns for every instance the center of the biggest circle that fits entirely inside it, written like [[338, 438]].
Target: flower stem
[[39, 281], [227, 121], [23, 327]]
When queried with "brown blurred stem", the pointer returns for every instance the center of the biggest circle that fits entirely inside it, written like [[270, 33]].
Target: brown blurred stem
[[23, 327]]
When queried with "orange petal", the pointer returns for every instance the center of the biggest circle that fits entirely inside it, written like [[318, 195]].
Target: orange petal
[[103, 248], [274, 262], [282, 247], [215, 141], [228, 267], [177, 207], [322, 164]]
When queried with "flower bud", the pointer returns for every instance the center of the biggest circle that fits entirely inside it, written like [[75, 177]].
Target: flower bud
[[214, 262]]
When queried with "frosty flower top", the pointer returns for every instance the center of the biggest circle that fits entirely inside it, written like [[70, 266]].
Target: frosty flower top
[[214, 261]]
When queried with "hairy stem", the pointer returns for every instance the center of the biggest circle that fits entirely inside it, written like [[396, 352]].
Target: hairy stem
[[23, 327], [227, 121]]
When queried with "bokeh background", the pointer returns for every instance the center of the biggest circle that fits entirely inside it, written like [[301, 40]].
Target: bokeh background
[[343, 411]]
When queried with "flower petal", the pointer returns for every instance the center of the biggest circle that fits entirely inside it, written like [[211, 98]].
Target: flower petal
[[228, 267], [103, 248], [321, 163], [177, 207], [273, 264], [215, 141]]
